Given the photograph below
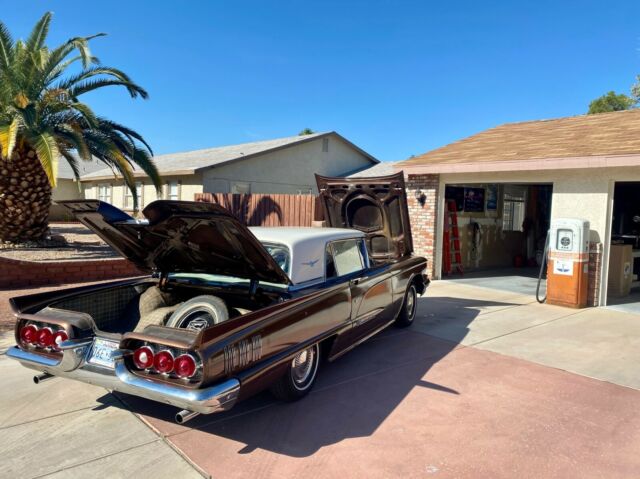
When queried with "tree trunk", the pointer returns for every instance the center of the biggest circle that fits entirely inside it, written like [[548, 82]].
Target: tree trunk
[[25, 197]]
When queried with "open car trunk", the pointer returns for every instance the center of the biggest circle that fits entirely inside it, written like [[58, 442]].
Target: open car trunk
[[136, 305]]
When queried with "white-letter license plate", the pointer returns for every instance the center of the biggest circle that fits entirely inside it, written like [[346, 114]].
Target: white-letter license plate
[[101, 352]]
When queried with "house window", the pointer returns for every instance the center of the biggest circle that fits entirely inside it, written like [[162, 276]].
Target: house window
[[242, 188], [173, 190], [128, 197], [104, 193], [513, 212], [325, 145]]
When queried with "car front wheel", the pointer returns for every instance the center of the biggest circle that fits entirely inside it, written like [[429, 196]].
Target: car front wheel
[[409, 306], [300, 375]]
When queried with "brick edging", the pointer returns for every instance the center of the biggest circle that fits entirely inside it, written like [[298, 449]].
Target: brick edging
[[19, 273]]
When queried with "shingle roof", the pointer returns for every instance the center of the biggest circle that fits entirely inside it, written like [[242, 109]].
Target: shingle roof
[[191, 161], [604, 134], [66, 173], [383, 168]]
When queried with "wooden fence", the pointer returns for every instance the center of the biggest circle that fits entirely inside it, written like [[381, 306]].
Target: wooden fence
[[269, 210]]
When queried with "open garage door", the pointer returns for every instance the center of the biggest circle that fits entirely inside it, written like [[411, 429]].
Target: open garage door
[[498, 232], [623, 288]]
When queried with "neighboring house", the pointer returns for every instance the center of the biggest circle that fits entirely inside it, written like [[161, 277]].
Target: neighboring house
[[68, 188], [509, 182], [284, 165]]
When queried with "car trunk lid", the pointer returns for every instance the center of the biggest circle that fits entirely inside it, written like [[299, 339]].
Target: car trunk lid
[[376, 206]]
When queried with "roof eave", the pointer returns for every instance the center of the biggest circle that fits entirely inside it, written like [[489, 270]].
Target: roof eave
[[571, 163], [138, 174]]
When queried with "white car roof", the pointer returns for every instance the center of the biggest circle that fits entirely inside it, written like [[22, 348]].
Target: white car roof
[[306, 246]]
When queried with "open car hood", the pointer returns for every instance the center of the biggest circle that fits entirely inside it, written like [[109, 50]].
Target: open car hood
[[376, 206], [181, 237]]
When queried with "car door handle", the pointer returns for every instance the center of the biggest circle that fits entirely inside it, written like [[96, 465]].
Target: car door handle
[[355, 281]]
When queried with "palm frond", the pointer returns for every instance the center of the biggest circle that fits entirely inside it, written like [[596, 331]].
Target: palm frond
[[90, 85], [127, 131], [73, 163], [8, 135], [38, 35], [6, 47], [48, 153]]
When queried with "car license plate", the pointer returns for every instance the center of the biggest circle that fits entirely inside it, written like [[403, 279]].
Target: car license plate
[[102, 352]]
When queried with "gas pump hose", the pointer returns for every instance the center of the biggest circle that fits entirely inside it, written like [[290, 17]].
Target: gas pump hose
[[543, 265]]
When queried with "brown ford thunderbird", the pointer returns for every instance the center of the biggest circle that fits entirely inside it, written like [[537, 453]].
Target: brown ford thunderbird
[[228, 310]]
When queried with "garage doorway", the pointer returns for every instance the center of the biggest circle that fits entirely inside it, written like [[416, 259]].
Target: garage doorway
[[502, 229], [623, 286]]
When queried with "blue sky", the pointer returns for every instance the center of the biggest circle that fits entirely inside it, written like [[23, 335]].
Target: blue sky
[[396, 77]]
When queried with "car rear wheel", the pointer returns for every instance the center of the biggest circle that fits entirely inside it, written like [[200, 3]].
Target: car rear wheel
[[199, 313], [300, 375], [409, 306]]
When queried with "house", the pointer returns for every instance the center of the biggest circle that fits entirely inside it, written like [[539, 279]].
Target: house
[[283, 165], [507, 184], [68, 188]]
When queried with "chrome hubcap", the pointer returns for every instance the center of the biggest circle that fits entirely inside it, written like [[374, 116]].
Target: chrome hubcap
[[302, 366], [197, 321], [411, 302]]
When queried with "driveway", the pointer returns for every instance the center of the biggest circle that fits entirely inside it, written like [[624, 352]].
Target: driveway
[[485, 384]]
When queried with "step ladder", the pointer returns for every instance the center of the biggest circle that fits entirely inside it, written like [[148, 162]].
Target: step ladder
[[451, 257]]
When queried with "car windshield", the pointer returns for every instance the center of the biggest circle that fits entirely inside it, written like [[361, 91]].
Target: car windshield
[[279, 252]]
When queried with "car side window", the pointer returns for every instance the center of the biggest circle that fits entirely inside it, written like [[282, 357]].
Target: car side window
[[330, 266], [347, 256]]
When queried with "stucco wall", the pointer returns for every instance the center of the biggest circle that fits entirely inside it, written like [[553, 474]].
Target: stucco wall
[[189, 186], [289, 170], [64, 190]]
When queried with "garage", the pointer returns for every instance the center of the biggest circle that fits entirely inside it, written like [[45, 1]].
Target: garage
[[494, 234], [624, 258], [510, 184]]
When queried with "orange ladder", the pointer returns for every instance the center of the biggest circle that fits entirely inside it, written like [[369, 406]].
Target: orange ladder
[[451, 243]]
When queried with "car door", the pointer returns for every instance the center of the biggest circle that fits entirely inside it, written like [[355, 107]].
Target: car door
[[371, 293]]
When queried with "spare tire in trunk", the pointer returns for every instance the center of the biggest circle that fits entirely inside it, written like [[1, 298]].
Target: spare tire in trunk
[[199, 313]]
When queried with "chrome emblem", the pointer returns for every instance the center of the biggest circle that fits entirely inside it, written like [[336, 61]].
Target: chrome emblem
[[243, 352]]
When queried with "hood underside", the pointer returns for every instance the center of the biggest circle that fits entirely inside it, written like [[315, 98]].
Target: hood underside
[[181, 237]]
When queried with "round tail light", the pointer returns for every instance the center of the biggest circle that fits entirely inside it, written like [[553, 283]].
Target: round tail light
[[45, 338], [143, 357], [58, 338], [163, 362], [185, 366], [29, 334]]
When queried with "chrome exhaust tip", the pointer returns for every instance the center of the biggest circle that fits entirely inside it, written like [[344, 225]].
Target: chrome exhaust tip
[[42, 377], [185, 415]]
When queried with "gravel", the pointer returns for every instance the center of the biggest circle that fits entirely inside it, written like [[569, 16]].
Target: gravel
[[79, 244]]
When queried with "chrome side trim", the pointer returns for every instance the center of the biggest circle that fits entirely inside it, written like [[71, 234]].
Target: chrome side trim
[[360, 341]]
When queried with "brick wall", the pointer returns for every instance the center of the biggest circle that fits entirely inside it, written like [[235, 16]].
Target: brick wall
[[18, 274], [423, 216], [595, 268]]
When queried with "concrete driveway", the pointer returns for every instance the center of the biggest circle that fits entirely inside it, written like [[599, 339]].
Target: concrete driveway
[[485, 384]]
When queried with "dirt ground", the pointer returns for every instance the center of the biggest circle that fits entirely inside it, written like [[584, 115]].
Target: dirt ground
[[80, 243]]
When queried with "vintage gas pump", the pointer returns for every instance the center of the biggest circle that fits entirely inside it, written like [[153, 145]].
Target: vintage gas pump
[[568, 267]]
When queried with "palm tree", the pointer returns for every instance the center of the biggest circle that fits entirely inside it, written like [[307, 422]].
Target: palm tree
[[43, 120]]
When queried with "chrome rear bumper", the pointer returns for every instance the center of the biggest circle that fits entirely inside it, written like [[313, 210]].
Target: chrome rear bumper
[[219, 397]]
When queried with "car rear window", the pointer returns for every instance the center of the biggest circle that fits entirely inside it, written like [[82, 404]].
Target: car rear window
[[347, 256]]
